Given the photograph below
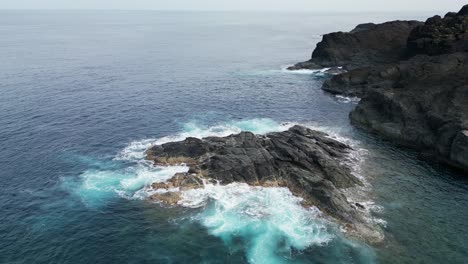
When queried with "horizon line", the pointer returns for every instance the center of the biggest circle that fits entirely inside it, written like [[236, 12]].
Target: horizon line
[[228, 10]]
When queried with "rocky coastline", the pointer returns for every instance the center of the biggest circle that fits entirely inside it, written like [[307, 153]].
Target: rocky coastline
[[365, 45], [413, 81], [416, 96]]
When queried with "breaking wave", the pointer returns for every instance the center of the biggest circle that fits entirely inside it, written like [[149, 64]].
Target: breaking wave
[[347, 99], [270, 224], [128, 174], [319, 73], [270, 221]]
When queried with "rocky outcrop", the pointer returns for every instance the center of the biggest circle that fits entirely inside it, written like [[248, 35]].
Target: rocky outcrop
[[366, 45], [359, 81], [352, 83], [463, 11], [308, 162], [420, 102], [440, 35]]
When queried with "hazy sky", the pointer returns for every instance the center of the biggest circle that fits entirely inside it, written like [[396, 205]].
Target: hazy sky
[[277, 5]]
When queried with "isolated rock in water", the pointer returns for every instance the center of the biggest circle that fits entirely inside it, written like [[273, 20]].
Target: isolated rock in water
[[366, 45], [309, 163], [441, 35]]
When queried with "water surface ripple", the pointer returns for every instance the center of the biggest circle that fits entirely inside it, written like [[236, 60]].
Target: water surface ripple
[[84, 92]]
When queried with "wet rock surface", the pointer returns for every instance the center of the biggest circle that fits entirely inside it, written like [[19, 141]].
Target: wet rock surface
[[308, 162]]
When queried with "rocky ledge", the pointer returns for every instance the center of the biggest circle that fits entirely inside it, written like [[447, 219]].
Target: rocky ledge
[[307, 162], [421, 100]]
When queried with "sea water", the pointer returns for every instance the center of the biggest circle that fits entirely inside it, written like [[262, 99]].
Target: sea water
[[85, 93]]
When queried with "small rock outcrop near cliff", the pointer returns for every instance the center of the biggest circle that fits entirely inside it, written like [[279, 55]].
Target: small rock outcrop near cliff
[[308, 162], [365, 45], [421, 101]]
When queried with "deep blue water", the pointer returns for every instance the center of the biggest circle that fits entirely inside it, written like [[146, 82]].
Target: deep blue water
[[83, 93]]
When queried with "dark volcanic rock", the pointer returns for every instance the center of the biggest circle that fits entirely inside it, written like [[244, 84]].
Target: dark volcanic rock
[[359, 81], [183, 181], [352, 83], [421, 102], [366, 45], [309, 163], [463, 11], [441, 35]]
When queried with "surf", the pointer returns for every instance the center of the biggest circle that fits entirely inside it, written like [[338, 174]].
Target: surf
[[269, 224]]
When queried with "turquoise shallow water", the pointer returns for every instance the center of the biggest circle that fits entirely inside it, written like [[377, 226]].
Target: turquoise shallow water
[[85, 93]]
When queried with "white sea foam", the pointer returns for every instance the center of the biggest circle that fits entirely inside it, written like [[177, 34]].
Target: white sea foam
[[284, 70], [270, 219], [97, 185], [135, 151], [356, 156], [317, 72], [347, 99], [130, 182], [355, 159], [305, 71]]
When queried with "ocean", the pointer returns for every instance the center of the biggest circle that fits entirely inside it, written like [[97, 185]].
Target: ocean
[[84, 93]]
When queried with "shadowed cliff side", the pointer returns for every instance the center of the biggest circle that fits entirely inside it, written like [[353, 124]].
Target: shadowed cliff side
[[365, 45], [420, 101]]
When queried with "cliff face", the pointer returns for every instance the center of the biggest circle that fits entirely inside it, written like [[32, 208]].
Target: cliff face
[[440, 35], [367, 44], [423, 104], [420, 101]]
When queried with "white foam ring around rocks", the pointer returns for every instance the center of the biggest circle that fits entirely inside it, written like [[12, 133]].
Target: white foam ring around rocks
[[267, 218]]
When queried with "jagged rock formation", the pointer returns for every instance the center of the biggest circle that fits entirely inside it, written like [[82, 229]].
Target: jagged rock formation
[[420, 101], [309, 163], [440, 35], [366, 45]]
